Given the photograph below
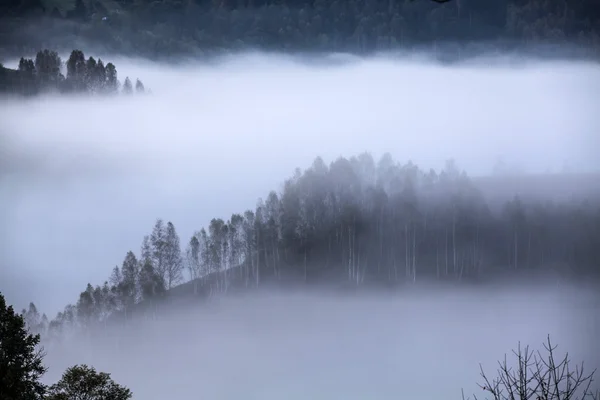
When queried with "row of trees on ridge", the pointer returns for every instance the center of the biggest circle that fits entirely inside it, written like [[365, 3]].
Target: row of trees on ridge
[[45, 74], [354, 222]]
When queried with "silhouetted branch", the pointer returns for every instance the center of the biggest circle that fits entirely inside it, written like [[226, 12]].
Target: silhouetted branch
[[539, 378]]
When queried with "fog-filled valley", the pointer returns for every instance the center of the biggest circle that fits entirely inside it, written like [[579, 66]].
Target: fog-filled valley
[[422, 344], [214, 138], [329, 227]]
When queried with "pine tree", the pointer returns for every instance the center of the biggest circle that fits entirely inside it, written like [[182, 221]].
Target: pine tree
[[127, 88], [27, 75], [112, 81], [76, 71], [139, 86], [47, 65], [91, 73], [27, 65], [100, 76], [20, 358]]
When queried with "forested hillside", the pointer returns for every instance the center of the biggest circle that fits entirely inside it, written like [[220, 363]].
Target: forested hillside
[[353, 222], [45, 75], [190, 27]]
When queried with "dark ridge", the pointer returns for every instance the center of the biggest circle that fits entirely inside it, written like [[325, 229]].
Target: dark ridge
[[172, 28]]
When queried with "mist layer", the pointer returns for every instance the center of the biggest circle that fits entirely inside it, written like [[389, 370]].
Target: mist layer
[[84, 179]]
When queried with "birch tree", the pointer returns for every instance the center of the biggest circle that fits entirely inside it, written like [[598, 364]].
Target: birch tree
[[158, 244], [193, 262], [173, 263], [129, 281]]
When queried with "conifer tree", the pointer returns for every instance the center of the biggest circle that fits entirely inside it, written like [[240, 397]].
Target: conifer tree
[[76, 71], [139, 86], [127, 88], [20, 358], [112, 81]]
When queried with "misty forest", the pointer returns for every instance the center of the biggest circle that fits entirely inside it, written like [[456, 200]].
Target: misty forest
[[391, 262], [173, 27], [83, 76], [352, 223]]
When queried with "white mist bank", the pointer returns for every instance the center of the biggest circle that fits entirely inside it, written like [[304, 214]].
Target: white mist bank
[[84, 179], [419, 345]]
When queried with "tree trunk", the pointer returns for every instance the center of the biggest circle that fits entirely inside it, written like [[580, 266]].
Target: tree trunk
[[446, 256], [454, 244], [516, 251], [406, 255], [305, 271], [414, 255], [437, 260]]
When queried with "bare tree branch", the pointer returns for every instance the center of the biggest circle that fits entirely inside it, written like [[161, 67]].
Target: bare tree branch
[[537, 377]]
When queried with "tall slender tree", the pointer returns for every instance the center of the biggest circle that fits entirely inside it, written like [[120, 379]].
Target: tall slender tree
[[173, 272], [127, 86], [76, 71]]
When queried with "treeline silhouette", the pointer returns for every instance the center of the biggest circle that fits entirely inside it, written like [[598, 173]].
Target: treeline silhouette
[[354, 222], [22, 368], [45, 74], [159, 28]]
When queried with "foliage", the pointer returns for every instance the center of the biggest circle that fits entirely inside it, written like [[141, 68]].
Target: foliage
[[21, 363], [81, 382], [44, 75], [539, 377], [356, 222], [172, 27], [20, 358]]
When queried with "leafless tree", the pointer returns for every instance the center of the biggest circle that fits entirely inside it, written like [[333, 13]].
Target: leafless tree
[[538, 377]]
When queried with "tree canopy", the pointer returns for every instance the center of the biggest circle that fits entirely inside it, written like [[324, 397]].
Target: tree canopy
[[21, 364], [45, 74], [354, 222], [82, 382], [171, 27]]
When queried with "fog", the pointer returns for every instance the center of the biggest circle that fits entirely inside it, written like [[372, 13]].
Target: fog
[[420, 344], [83, 179]]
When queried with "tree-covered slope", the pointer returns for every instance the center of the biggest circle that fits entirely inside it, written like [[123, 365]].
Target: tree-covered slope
[[192, 27], [360, 222], [45, 74]]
